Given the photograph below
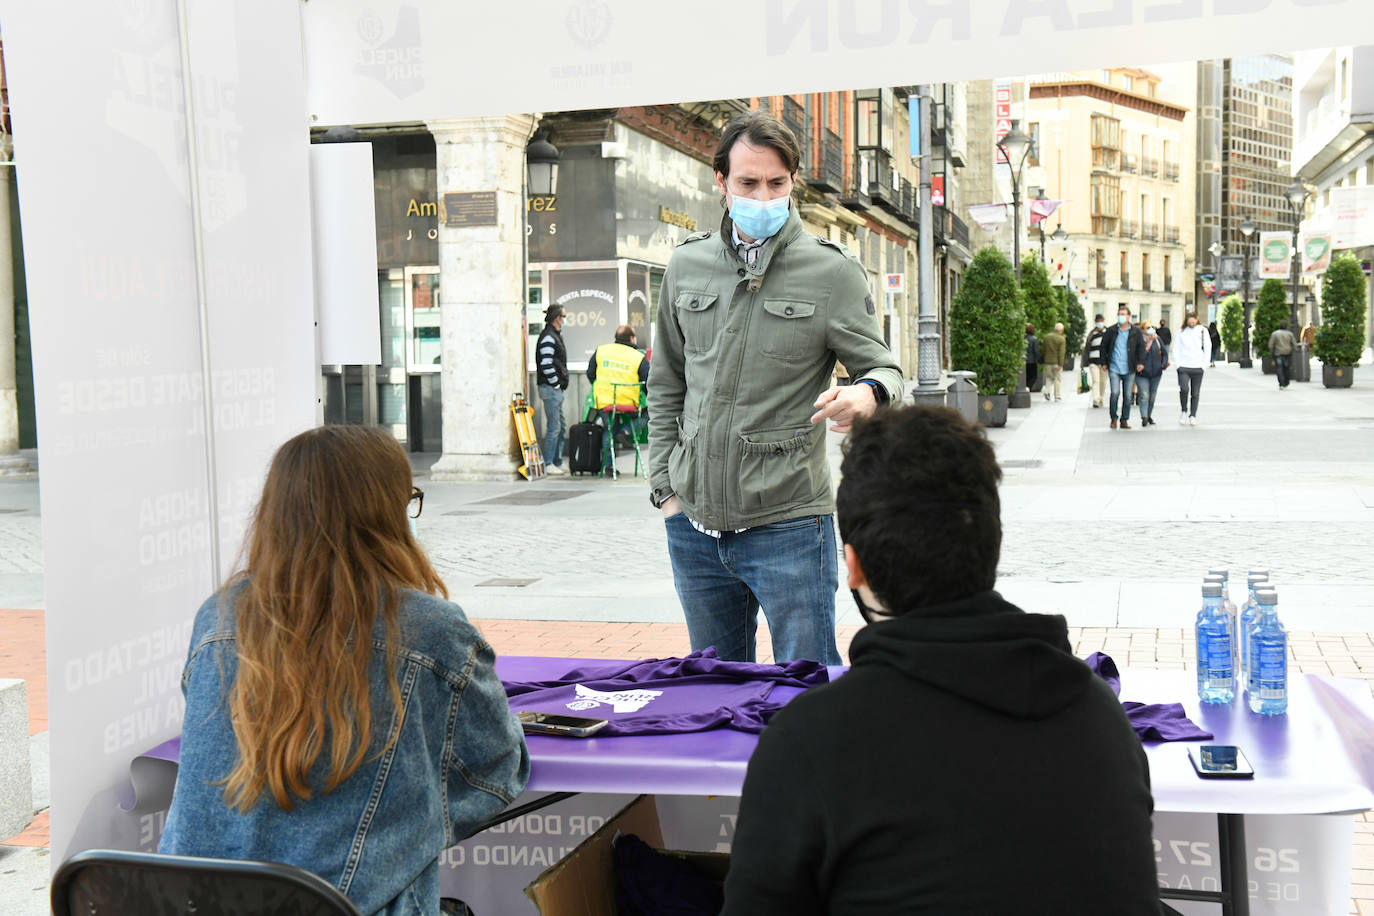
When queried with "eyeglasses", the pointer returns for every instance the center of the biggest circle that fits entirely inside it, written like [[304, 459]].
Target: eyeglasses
[[416, 503]]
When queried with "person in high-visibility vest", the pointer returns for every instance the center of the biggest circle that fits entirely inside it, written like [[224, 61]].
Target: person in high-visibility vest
[[616, 369]]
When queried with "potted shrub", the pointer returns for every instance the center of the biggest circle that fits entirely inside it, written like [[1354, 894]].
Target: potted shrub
[[987, 332], [1340, 339], [1075, 325], [1231, 327], [1041, 302], [1271, 308]]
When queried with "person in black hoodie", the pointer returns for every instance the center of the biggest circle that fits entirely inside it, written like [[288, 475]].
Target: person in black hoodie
[[552, 380], [967, 763]]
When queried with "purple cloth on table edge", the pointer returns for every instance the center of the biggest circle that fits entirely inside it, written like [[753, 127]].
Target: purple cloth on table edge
[[665, 696], [1151, 721]]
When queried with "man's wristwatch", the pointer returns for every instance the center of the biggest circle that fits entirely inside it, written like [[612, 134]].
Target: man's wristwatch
[[659, 497], [879, 392]]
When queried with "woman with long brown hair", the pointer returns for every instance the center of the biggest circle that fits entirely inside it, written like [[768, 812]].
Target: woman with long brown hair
[[341, 714]]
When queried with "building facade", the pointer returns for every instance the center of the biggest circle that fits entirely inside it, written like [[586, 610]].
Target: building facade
[[1333, 153], [1116, 146], [1244, 150]]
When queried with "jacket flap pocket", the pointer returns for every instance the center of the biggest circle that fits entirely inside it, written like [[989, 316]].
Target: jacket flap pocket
[[776, 441], [695, 302], [789, 308]]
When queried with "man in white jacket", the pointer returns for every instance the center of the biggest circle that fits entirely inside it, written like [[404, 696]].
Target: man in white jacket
[[1191, 352]]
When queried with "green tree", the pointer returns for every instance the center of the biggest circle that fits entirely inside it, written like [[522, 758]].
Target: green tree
[[987, 324], [1041, 302], [1075, 321], [1345, 296], [1232, 323], [1271, 308]]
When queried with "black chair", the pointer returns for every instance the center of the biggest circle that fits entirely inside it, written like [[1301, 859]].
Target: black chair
[[107, 882]]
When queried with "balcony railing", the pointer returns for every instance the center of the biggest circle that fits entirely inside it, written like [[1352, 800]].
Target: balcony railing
[[1168, 283], [1146, 283], [958, 230], [1125, 281], [1129, 164], [1149, 231], [1149, 166], [877, 166], [910, 201], [1171, 235], [1129, 229], [1101, 278], [1171, 171], [827, 168]]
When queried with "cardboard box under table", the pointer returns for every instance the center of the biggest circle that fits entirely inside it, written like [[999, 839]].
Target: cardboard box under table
[[583, 882]]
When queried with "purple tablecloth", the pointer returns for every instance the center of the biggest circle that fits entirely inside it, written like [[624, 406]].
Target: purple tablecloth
[[1318, 759]]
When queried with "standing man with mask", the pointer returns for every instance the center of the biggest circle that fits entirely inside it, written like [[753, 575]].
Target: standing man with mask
[[750, 323], [1124, 348], [1095, 358]]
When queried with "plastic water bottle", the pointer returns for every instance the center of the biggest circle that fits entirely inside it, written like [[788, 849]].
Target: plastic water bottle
[[1216, 681], [1222, 576], [1267, 688], [1246, 620]]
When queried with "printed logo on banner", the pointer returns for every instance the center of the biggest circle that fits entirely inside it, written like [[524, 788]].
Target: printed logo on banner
[[619, 701], [589, 22], [147, 104], [396, 62]]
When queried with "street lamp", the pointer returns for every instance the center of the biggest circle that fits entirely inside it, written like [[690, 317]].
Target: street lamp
[[1014, 146], [1247, 229], [1297, 198], [541, 164], [1059, 236], [1215, 250]]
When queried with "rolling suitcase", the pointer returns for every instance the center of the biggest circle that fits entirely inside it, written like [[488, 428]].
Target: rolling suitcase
[[584, 448]]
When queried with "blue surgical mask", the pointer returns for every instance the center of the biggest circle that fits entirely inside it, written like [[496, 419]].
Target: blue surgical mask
[[1149, 332], [1123, 319], [414, 531], [759, 219], [1101, 324]]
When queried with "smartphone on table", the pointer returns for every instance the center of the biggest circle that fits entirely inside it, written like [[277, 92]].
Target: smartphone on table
[[547, 723], [1220, 761]]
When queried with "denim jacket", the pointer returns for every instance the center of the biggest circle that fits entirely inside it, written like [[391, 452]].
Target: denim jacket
[[460, 759]]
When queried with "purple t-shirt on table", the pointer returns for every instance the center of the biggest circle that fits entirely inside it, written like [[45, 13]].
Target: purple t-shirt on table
[[663, 696]]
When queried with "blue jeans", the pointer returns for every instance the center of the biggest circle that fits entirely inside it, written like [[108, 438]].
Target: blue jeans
[[555, 426], [1148, 387], [1118, 382], [1281, 368], [788, 568]]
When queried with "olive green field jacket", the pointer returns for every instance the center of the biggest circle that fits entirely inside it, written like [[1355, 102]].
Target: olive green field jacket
[[740, 355]]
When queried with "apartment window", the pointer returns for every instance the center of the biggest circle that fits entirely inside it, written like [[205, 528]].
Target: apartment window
[[1345, 78], [1033, 154], [1127, 83], [1106, 196], [1168, 278], [1125, 272], [1145, 271], [1101, 261], [1106, 132]]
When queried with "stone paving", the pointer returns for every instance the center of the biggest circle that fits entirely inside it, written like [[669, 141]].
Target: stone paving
[[1112, 528]]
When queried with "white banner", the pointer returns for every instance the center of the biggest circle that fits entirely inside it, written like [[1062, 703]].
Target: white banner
[[1275, 255], [343, 220], [383, 61], [1352, 217], [128, 418], [1316, 251]]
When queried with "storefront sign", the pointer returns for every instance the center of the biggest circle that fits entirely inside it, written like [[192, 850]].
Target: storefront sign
[[591, 300], [677, 218], [1275, 255], [469, 209]]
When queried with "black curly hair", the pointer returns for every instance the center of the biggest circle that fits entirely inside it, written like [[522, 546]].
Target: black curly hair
[[918, 502]]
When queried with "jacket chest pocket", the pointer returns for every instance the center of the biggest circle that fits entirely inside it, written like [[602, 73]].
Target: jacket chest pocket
[[789, 328], [697, 316]]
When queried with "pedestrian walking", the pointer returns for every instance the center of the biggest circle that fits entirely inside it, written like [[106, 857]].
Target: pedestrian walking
[[1148, 373], [1122, 345], [1214, 336], [1032, 356], [1192, 351], [1281, 346], [1052, 356], [1095, 358]]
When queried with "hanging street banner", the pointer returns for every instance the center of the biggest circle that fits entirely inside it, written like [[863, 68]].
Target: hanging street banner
[[1352, 217], [1316, 251], [1276, 255]]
